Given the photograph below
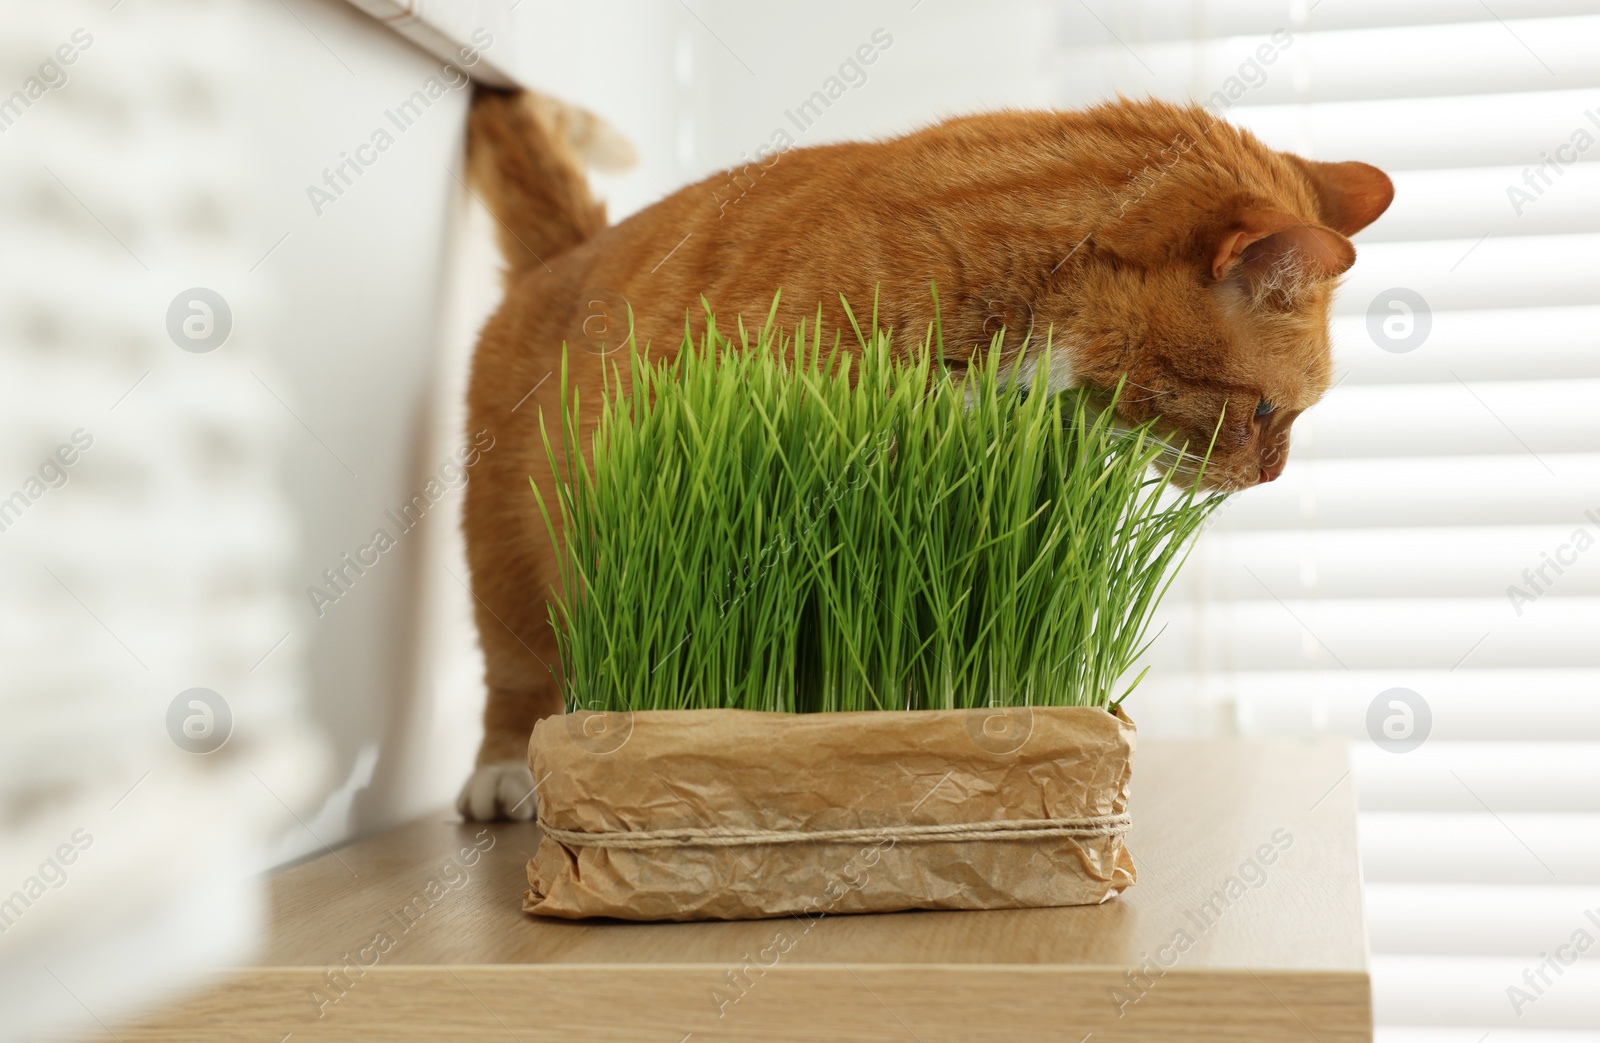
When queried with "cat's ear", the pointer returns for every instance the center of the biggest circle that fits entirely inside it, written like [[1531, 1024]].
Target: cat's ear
[[1264, 241], [1350, 195]]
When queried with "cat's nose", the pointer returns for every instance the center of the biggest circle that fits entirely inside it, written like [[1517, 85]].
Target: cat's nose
[[1272, 473]]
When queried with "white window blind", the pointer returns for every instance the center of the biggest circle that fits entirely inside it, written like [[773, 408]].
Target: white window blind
[[149, 561], [1425, 484]]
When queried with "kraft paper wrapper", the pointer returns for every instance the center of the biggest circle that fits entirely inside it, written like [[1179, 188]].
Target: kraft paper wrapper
[[746, 770]]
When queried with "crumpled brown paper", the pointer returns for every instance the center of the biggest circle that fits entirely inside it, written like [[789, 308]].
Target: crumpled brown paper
[[734, 772]]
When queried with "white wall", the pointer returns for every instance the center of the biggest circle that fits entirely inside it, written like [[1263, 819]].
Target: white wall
[[695, 87], [357, 340]]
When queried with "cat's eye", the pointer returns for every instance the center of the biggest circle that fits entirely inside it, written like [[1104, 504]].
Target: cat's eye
[[1263, 408]]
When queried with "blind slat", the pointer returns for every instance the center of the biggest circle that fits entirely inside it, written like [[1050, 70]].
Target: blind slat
[[1156, 20], [1346, 65], [1377, 633], [1510, 848], [1476, 346], [1452, 419], [1441, 990], [1493, 272], [1406, 563], [1467, 704], [1384, 493], [1466, 202], [1455, 776], [1426, 918], [1427, 133]]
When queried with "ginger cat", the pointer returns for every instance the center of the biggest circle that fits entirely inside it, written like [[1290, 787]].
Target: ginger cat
[[1152, 241]]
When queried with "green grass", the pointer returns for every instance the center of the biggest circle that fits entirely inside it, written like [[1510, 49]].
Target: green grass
[[770, 525]]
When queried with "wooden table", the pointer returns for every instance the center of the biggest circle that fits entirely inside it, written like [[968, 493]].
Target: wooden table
[[1277, 954]]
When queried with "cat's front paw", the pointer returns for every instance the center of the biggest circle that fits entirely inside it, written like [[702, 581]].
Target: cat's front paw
[[500, 790]]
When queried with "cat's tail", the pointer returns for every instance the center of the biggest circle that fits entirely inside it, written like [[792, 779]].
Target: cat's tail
[[525, 158]]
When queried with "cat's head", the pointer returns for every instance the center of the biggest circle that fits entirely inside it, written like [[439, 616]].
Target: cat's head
[[1209, 294]]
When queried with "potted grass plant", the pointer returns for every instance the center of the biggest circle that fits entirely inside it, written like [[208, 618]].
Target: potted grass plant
[[842, 632]]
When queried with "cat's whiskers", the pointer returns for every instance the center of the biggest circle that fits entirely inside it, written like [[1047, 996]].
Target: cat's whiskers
[[1181, 462]]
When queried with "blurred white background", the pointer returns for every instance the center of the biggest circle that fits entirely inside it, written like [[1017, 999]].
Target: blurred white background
[[176, 151]]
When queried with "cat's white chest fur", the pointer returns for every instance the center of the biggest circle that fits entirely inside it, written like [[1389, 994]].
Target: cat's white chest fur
[[1060, 376]]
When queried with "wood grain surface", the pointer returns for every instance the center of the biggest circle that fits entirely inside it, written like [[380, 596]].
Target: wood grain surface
[[1246, 925]]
